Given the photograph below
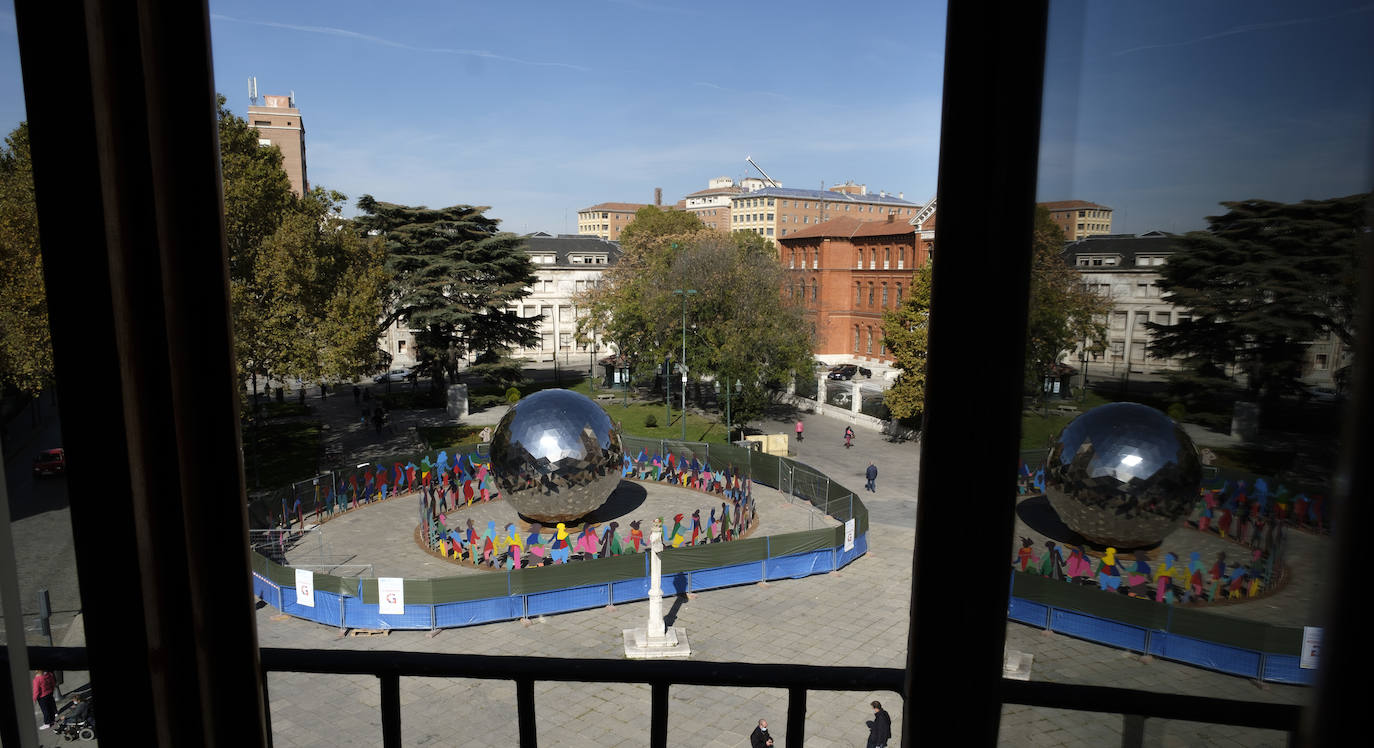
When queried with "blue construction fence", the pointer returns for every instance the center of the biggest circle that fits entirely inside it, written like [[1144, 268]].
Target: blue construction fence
[[351, 602], [1206, 639], [520, 593]]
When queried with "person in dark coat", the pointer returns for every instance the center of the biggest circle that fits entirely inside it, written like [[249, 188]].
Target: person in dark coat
[[760, 738], [880, 729], [872, 475]]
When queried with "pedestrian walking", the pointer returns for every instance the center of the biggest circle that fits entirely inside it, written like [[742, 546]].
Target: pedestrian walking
[[848, 437], [44, 683], [799, 430], [760, 738], [880, 729], [872, 475]]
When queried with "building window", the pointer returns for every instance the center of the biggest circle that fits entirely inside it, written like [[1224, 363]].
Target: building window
[[870, 294], [859, 261], [899, 294], [1320, 361], [869, 349], [887, 257], [264, 142], [872, 259], [770, 230], [856, 338], [884, 295], [901, 258], [400, 346], [770, 215], [858, 293], [792, 259], [814, 288]]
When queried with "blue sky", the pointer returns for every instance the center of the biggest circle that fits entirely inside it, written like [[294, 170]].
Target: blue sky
[[1157, 109]]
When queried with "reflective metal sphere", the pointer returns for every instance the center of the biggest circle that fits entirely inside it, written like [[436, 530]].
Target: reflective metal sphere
[[556, 456], [1122, 475]]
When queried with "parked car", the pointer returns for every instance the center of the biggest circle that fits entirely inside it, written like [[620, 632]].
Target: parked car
[[395, 375], [865, 373], [844, 371], [50, 462]]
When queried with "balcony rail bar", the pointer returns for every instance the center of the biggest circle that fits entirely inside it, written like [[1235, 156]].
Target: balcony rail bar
[[390, 667]]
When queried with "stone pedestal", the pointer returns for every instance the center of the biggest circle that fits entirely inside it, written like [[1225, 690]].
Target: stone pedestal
[[457, 401]]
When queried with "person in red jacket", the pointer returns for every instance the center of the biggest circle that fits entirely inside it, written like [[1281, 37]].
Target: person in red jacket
[[43, 686]]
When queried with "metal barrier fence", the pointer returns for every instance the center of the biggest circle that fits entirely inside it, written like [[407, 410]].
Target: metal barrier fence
[[494, 596], [1205, 639]]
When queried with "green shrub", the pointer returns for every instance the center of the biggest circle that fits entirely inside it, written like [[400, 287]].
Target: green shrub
[[650, 421], [1178, 412], [513, 395]]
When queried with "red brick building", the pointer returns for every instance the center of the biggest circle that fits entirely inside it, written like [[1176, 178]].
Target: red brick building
[[847, 272]]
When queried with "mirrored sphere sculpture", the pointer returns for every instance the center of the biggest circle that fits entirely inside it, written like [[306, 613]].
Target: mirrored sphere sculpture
[[1122, 475], [556, 456]]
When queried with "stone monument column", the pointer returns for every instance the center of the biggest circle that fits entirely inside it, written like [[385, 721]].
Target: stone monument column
[[656, 640]]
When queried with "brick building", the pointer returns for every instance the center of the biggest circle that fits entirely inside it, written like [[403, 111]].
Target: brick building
[[778, 212], [607, 220], [1080, 219], [279, 123], [712, 205], [847, 272]]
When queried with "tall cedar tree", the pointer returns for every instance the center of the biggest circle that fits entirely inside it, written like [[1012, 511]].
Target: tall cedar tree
[[906, 332], [25, 347], [454, 276], [1262, 282], [740, 327], [1063, 313]]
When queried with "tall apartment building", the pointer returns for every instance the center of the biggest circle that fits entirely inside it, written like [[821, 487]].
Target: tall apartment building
[[778, 212], [279, 123], [607, 220], [847, 272], [1080, 219]]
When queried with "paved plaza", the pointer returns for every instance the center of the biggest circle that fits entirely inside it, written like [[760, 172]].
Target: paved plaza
[[856, 616]]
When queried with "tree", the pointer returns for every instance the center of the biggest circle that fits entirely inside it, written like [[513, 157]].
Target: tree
[[906, 332], [740, 326], [454, 276], [257, 197], [1062, 313], [321, 285], [26, 361], [1260, 283]]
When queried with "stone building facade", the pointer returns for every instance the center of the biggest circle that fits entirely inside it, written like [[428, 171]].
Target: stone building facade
[[606, 220], [1080, 219]]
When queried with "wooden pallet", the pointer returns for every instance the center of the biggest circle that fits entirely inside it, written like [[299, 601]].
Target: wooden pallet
[[369, 632]]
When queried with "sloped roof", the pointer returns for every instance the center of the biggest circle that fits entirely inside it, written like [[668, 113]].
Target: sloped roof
[[617, 207], [1072, 205], [846, 227], [565, 244], [839, 197], [1125, 245]]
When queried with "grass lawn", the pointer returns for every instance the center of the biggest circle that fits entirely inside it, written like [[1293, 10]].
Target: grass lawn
[[442, 437], [285, 451], [1038, 430]]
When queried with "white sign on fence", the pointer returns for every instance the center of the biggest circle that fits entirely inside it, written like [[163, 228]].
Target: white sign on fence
[[849, 534], [1311, 646], [305, 587], [391, 598]]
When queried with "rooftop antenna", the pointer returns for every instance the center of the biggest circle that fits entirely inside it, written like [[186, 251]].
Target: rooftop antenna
[[293, 98], [253, 90], [761, 171]]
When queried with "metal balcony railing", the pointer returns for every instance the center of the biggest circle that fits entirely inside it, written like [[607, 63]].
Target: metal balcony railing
[[660, 676]]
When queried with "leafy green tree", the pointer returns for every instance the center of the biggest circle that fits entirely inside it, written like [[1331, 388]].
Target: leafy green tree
[[257, 197], [1062, 313], [454, 276], [1260, 283], [322, 285], [740, 327], [906, 332], [25, 346]]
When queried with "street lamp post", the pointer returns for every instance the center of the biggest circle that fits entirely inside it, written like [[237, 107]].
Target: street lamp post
[[729, 425], [684, 293]]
